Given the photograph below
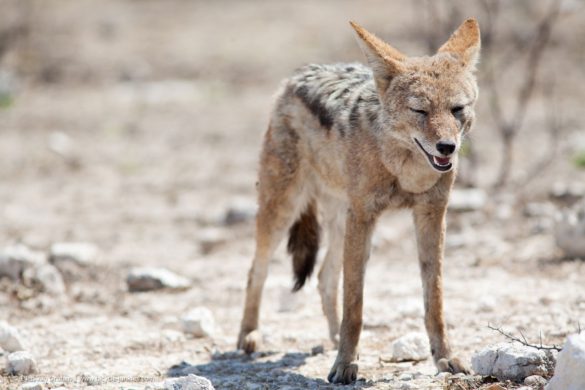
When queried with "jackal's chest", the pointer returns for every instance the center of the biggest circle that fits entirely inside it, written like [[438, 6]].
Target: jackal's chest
[[416, 177]]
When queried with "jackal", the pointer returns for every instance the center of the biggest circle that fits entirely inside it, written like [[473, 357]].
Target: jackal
[[346, 142]]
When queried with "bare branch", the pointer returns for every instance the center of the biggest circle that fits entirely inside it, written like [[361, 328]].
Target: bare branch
[[525, 342]]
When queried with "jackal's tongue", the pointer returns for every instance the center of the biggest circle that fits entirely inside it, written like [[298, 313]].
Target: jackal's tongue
[[442, 160]]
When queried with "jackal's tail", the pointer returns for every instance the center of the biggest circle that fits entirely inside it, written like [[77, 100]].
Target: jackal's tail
[[303, 245]]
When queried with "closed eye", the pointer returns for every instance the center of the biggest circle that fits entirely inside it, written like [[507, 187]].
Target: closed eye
[[457, 110], [421, 112]]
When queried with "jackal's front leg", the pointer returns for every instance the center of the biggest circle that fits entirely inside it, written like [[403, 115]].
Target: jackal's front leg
[[429, 222], [356, 251]]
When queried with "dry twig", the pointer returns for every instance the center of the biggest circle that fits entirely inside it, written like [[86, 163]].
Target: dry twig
[[525, 342]]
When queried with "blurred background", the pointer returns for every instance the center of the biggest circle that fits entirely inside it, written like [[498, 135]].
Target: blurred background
[[135, 126]]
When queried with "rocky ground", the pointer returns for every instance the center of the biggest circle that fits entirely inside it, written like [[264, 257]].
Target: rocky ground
[[150, 157]]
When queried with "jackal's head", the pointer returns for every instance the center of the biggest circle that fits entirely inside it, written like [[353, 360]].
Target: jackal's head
[[427, 102]]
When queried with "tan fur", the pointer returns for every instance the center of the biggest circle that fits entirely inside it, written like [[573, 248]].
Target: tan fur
[[355, 142]]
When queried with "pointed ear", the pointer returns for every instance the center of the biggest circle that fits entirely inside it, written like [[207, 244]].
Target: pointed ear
[[386, 61], [465, 42]]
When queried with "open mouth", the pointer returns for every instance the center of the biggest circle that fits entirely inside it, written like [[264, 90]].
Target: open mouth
[[441, 164]]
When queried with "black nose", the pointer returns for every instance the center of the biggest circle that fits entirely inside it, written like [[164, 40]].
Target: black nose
[[445, 148]]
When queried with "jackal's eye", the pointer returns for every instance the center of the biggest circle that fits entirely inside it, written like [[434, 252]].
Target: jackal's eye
[[457, 110], [421, 112]]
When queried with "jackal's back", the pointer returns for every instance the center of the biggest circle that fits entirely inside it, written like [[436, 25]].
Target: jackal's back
[[341, 97]]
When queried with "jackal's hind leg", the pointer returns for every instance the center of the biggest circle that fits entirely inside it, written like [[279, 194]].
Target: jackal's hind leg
[[331, 268], [281, 196]]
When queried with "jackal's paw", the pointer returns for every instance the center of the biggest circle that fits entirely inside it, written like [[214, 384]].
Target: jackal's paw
[[344, 373], [452, 365], [250, 341]]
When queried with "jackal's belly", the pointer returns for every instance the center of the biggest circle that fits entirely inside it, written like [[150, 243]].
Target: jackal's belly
[[326, 163]]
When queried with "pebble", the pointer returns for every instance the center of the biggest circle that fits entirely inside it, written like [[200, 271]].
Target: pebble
[[142, 279], [21, 363], [568, 192], [81, 253], [486, 304], [510, 362], [570, 230], [10, 339], [211, 238], [535, 209], [32, 386], [190, 382], [317, 350], [241, 210], [47, 277], [535, 380], [15, 259], [412, 346], [198, 322]]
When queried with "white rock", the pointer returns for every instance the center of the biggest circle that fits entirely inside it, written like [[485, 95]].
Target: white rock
[[467, 199], [570, 231], [154, 278], [199, 322], [32, 386], [535, 381], [570, 368], [10, 339], [486, 304], [190, 382], [82, 253], [47, 277], [21, 363], [412, 346], [510, 362], [15, 259]]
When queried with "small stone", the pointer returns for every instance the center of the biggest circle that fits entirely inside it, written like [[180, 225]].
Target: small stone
[[15, 259], [568, 192], [412, 346], [21, 363], [142, 279], [467, 199], [570, 369], [32, 386], [405, 377], [570, 230], [81, 253], [495, 386], [198, 322], [241, 210], [46, 277], [510, 362], [190, 382], [10, 339], [535, 209], [535, 381], [172, 336], [211, 238], [317, 350], [486, 304]]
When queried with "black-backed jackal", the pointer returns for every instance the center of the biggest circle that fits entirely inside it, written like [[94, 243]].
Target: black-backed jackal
[[346, 142]]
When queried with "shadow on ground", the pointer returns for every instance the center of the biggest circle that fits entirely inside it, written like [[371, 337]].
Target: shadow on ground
[[267, 370]]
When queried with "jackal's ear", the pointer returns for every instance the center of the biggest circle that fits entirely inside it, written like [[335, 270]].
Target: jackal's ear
[[386, 61], [465, 42]]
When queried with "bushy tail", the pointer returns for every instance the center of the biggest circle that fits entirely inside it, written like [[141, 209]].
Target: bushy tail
[[303, 245]]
